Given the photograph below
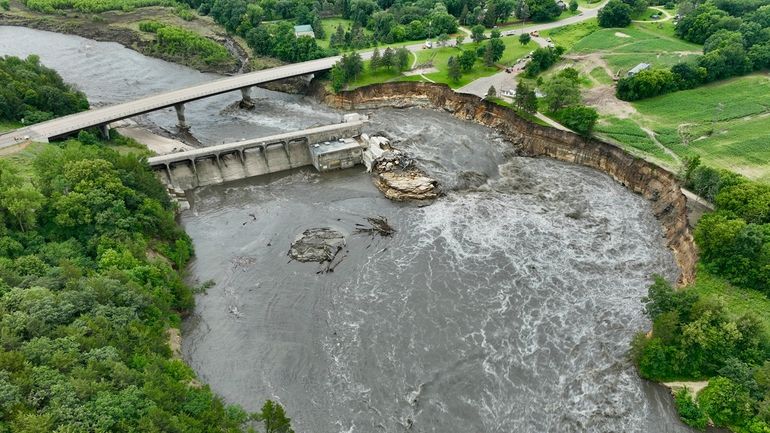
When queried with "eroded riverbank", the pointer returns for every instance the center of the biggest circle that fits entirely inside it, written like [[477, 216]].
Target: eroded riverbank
[[506, 306]]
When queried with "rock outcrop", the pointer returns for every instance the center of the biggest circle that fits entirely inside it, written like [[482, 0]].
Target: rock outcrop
[[656, 184]]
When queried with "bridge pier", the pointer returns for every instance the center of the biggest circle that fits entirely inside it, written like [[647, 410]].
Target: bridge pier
[[104, 131], [181, 122], [246, 101]]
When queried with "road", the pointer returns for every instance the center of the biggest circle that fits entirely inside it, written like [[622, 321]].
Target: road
[[102, 116]]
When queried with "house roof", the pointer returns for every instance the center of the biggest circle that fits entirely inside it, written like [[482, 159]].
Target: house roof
[[305, 28]]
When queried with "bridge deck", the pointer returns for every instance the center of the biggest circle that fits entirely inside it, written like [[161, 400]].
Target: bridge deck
[[105, 115]]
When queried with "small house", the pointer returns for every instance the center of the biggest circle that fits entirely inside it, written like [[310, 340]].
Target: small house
[[304, 30], [638, 68]]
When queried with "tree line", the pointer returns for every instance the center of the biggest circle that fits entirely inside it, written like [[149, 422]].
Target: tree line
[[91, 264], [736, 41], [33, 93], [695, 338]]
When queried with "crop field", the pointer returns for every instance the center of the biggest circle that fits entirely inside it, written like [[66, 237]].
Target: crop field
[[627, 133], [725, 123]]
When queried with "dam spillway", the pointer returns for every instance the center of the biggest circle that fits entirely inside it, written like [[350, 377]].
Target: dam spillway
[[325, 147]]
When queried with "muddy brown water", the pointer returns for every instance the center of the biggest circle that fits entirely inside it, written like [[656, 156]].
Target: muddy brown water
[[506, 306]]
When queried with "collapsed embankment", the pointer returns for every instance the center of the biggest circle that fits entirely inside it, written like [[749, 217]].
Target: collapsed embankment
[[654, 183]]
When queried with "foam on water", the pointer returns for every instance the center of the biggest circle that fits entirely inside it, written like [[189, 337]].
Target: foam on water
[[506, 308]]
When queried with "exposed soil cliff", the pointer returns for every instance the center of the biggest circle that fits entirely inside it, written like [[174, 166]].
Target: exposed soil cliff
[[656, 184]]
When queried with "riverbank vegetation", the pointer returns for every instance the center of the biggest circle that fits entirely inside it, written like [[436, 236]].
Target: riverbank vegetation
[[184, 46], [717, 329], [33, 93]]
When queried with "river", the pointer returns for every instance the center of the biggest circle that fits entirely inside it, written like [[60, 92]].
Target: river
[[503, 307]]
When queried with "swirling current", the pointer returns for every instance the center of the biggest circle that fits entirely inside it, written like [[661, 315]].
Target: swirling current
[[506, 306]]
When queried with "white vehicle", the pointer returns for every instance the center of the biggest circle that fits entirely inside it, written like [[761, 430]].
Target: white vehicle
[[428, 45]]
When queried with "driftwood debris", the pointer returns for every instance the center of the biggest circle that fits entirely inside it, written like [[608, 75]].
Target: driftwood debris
[[377, 226]]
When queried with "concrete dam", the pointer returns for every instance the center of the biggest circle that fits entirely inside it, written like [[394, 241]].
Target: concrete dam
[[326, 147]]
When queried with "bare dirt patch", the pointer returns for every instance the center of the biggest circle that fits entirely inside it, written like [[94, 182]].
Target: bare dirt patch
[[622, 35]]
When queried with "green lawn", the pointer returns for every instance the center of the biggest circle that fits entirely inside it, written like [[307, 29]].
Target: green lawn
[[9, 126], [738, 301], [440, 57], [381, 75], [568, 36], [330, 26]]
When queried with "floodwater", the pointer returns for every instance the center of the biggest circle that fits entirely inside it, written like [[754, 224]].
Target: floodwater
[[505, 307]]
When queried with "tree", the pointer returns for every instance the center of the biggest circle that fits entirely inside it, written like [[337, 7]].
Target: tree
[[388, 58], [496, 48], [524, 38], [543, 10], [467, 59], [23, 203], [376, 60], [491, 93], [580, 119], [560, 92], [274, 418], [352, 65], [477, 33], [573, 6], [525, 98], [442, 39], [725, 402], [459, 40], [402, 59], [454, 72], [615, 14], [338, 78]]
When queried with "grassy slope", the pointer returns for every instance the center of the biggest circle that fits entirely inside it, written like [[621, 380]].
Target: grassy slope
[[738, 301]]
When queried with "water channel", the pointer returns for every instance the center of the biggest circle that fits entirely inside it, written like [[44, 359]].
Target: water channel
[[506, 306]]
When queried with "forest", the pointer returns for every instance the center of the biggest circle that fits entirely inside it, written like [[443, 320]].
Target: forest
[[32, 93], [735, 38]]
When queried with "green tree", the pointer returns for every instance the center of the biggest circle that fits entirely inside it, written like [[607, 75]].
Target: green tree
[[402, 59], [459, 41], [689, 411], [525, 98], [491, 93], [338, 78], [560, 92], [274, 418], [524, 38], [543, 10], [580, 119], [376, 60], [454, 70], [388, 58], [23, 203], [573, 6], [477, 33], [725, 402], [467, 59], [615, 14]]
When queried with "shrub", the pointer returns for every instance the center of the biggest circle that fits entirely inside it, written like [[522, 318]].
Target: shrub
[[725, 402], [580, 119], [689, 411]]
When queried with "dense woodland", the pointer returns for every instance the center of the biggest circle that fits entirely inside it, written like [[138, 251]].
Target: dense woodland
[[736, 40], [185, 46], [91, 260], [32, 93]]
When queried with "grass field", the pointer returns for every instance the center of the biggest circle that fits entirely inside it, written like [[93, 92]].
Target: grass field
[[568, 36], [381, 75], [625, 48], [630, 135], [737, 301], [725, 123], [9, 126]]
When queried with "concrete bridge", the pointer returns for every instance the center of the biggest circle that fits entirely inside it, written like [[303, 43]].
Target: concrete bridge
[[102, 117], [247, 158]]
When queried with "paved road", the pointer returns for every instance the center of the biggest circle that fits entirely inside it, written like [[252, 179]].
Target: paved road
[[102, 116]]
